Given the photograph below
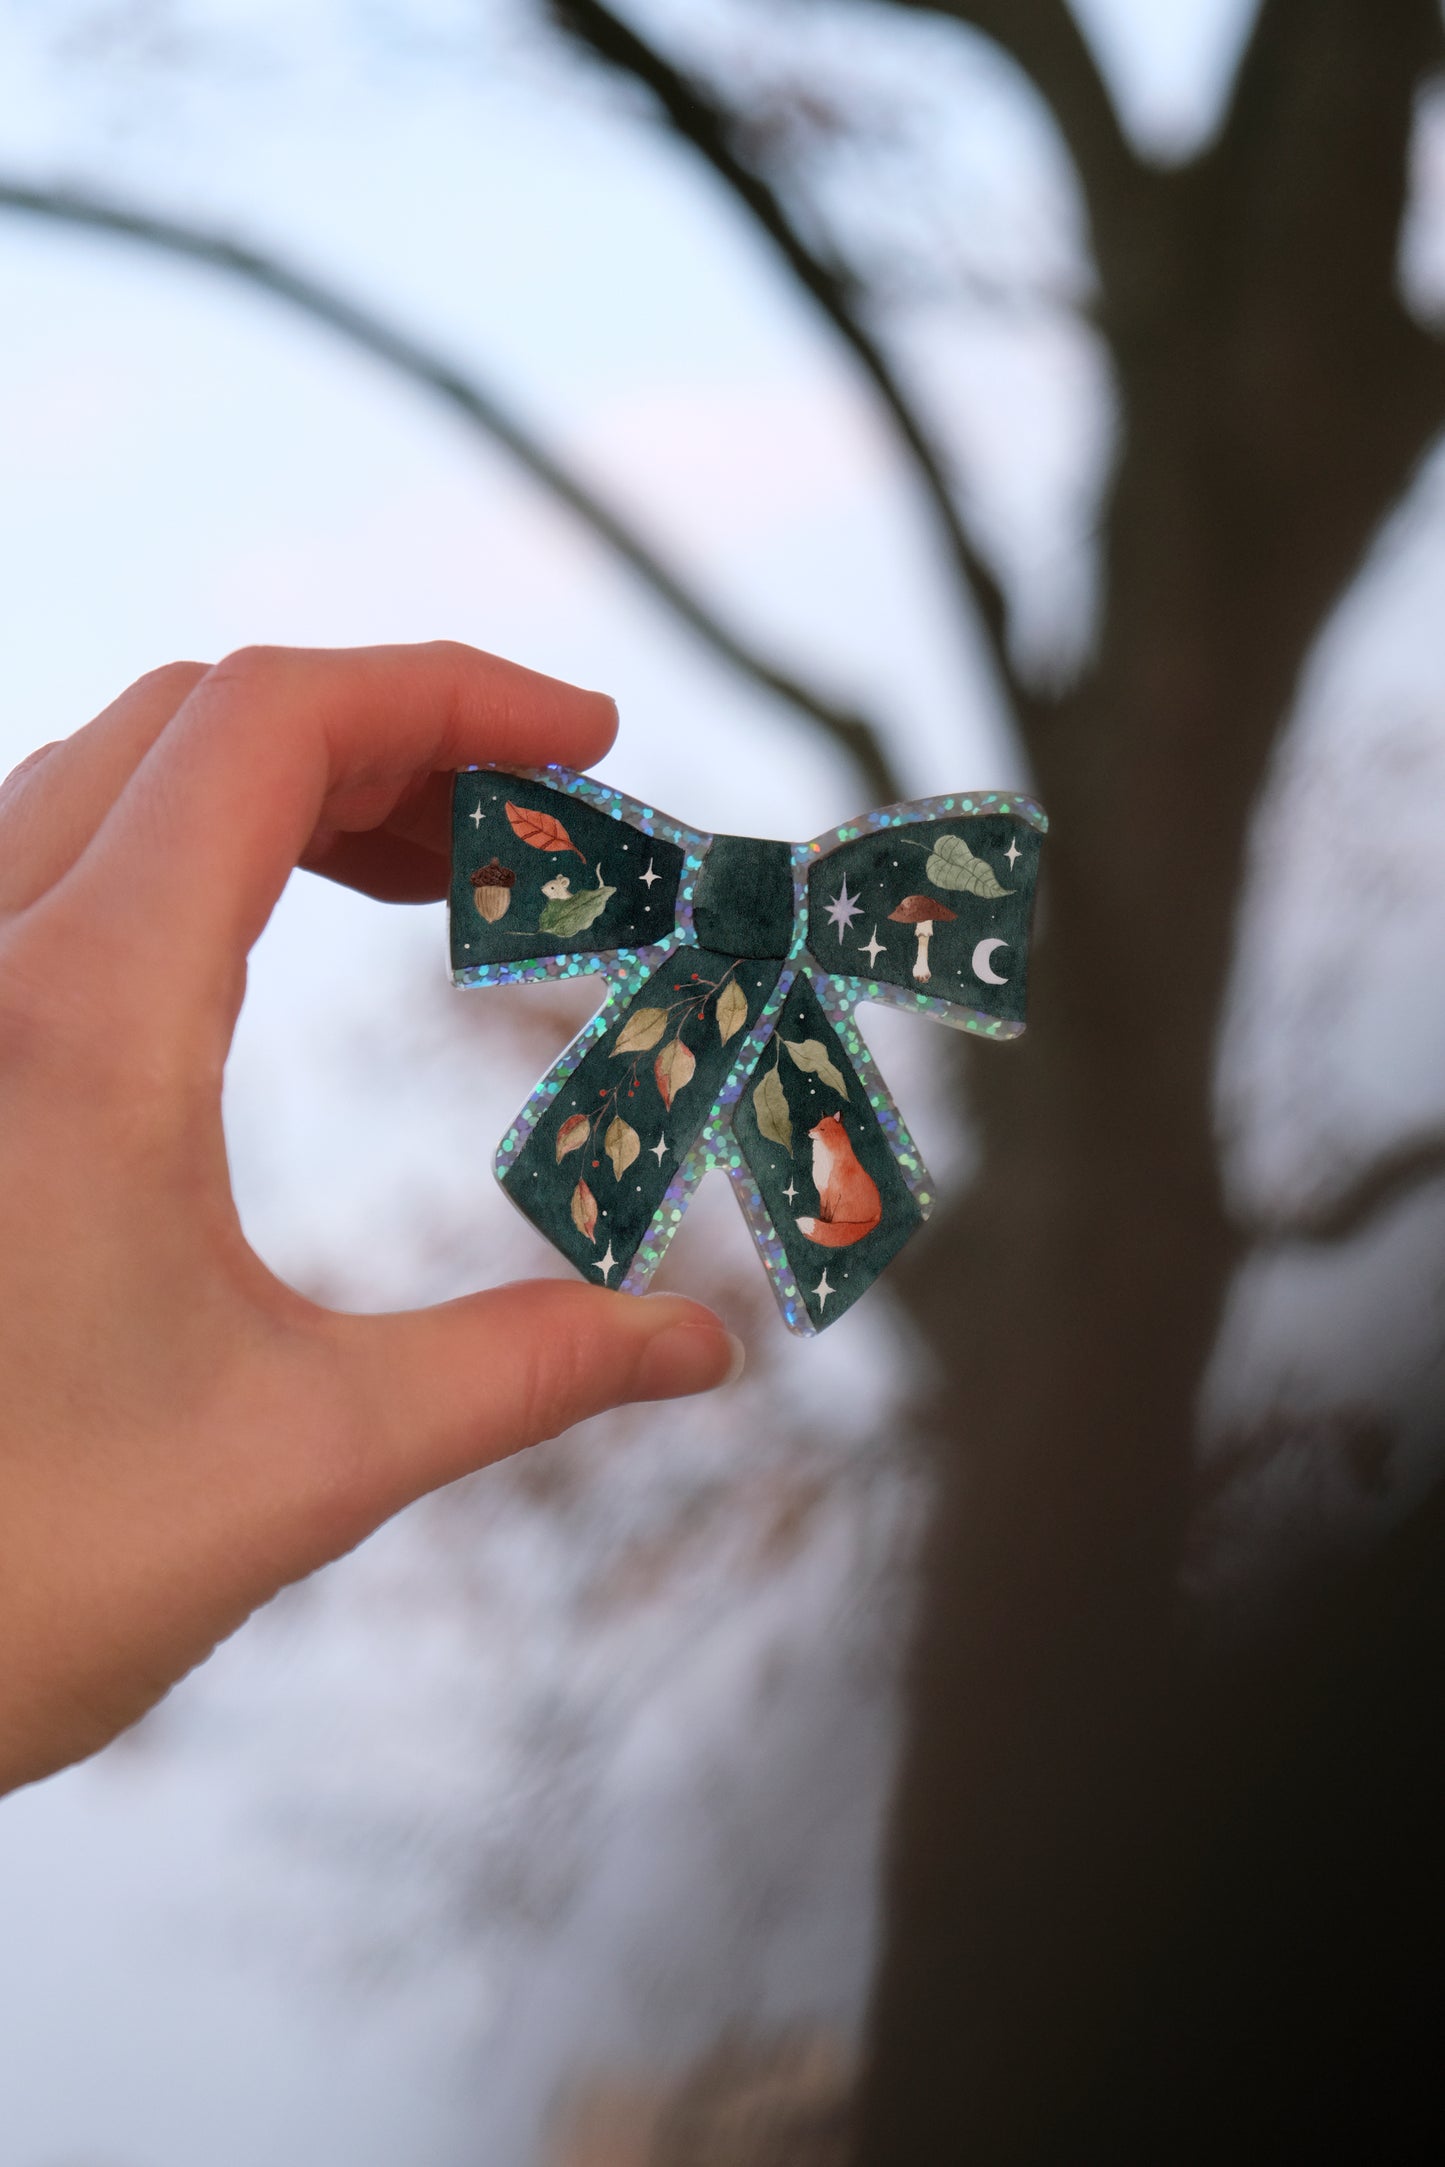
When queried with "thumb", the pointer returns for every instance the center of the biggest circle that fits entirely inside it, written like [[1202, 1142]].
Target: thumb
[[441, 1392]]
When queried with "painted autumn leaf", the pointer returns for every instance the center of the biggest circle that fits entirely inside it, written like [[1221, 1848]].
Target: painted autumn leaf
[[622, 1144], [732, 1010], [673, 1069], [951, 864], [564, 915], [811, 1055], [584, 1211], [770, 1104], [542, 830], [643, 1028], [572, 1135]]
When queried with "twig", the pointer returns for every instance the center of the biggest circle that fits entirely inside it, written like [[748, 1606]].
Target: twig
[[1045, 40], [695, 114], [847, 729], [1378, 1188]]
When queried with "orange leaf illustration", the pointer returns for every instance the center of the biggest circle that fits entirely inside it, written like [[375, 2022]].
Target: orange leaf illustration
[[584, 1211], [673, 1069], [541, 830], [572, 1135]]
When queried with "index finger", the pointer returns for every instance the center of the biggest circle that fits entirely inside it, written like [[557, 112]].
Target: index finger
[[274, 743]]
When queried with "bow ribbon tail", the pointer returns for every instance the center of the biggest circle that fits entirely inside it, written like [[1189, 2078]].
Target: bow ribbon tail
[[601, 1159], [829, 1179]]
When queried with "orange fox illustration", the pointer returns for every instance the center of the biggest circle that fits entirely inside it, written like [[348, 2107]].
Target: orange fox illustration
[[849, 1205]]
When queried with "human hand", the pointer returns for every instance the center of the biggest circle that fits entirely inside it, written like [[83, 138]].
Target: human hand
[[181, 1434]]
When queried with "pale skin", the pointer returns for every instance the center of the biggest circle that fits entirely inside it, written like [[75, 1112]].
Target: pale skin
[[181, 1435]]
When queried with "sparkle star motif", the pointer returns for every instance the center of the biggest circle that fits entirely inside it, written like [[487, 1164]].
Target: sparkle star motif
[[1013, 854], [823, 1290], [873, 948], [843, 909], [649, 876], [659, 1149], [477, 815], [790, 1192], [608, 1264]]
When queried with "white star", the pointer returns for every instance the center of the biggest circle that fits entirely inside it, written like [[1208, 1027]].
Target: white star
[[649, 876], [873, 948], [477, 815], [659, 1149], [607, 1264], [790, 1192], [823, 1290], [843, 909], [1013, 854]]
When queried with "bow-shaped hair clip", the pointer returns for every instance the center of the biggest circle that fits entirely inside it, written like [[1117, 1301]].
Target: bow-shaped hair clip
[[726, 1036]]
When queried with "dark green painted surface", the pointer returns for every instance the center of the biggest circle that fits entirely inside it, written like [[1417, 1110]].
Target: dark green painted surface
[[882, 870], [744, 899], [638, 914], [606, 1084], [849, 1271]]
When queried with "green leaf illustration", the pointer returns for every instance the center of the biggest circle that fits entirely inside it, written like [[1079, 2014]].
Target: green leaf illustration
[[643, 1028], [811, 1055], [951, 864], [565, 915], [622, 1144], [732, 1010], [770, 1104]]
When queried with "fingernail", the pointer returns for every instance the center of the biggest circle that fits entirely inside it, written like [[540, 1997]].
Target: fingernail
[[687, 1358]]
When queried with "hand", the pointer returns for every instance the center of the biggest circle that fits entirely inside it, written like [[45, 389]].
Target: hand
[[181, 1434]]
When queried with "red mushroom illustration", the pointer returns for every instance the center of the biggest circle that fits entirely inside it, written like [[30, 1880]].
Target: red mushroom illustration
[[924, 913]]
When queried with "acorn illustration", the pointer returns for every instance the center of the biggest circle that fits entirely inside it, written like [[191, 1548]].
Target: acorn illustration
[[492, 888]]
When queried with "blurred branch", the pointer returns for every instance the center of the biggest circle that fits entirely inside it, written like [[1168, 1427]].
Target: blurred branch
[[1294, 41], [1375, 1190], [1044, 39], [1311, 160], [697, 116], [849, 731]]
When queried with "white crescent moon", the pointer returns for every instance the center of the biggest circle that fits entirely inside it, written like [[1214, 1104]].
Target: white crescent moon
[[981, 965]]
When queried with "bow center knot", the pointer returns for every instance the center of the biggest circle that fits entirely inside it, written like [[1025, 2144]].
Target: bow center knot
[[743, 902]]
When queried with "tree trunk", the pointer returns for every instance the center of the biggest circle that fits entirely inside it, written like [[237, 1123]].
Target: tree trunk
[[1055, 1805], [1069, 1304]]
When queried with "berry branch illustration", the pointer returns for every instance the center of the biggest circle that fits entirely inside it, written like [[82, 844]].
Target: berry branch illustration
[[673, 1066]]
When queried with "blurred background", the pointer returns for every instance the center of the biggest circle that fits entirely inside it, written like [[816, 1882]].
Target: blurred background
[[1004, 1728]]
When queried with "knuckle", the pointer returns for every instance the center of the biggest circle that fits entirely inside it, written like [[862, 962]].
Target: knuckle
[[559, 1388], [455, 652], [253, 667], [38, 1006], [82, 1042], [23, 767], [172, 679]]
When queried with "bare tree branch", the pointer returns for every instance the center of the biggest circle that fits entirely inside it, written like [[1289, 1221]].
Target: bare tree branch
[[1378, 1188], [846, 729], [1045, 40], [695, 114]]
